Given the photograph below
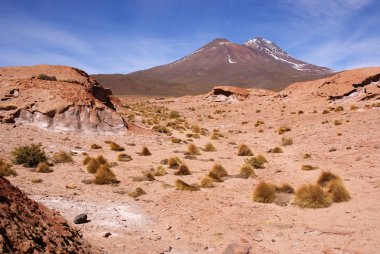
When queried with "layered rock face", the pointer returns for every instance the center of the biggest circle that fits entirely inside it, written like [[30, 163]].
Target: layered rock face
[[29, 227], [58, 98]]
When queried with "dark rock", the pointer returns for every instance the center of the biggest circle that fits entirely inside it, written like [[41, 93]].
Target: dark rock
[[106, 235], [81, 218]]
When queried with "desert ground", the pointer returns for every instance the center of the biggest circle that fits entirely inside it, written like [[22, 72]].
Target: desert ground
[[167, 220]]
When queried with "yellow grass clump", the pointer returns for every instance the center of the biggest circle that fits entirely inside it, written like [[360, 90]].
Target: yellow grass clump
[[6, 169], [214, 177], [277, 149], [145, 151], [286, 141], [174, 162], [86, 160], [264, 193], [244, 150], [136, 193], [339, 193], [183, 169], [192, 150], [219, 170], [214, 136], [62, 157], [256, 162], [283, 129], [206, 182], [181, 185], [92, 165], [326, 177], [115, 147], [285, 188], [43, 167], [160, 171], [104, 175], [312, 196], [124, 157], [95, 146], [246, 171], [308, 167], [209, 147], [101, 159]]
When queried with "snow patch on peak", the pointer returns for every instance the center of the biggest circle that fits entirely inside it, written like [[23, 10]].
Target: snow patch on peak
[[189, 55], [230, 60]]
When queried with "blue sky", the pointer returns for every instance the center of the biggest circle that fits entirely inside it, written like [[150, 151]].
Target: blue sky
[[104, 36]]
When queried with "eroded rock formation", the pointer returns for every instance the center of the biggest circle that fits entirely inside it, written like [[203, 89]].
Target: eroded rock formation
[[58, 98]]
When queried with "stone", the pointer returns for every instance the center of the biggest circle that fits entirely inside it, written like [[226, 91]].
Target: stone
[[80, 219]]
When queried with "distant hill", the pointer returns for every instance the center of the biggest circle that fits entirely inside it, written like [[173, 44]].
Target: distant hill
[[258, 63]]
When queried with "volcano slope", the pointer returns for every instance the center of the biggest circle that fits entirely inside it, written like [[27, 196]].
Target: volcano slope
[[332, 123]]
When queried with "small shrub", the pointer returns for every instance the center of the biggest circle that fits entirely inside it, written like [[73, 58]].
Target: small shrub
[[29, 156], [174, 114], [43, 167], [285, 188], [160, 171], [136, 193], [339, 108], [256, 162], [308, 167], [214, 136], [174, 162], [161, 129], [115, 147], [307, 156], [181, 185], [264, 193], [286, 141], [283, 129], [353, 107], [325, 111], [183, 169], [192, 150], [95, 146], [339, 193], [6, 169], [219, 170], [46, 77], [209, 147], [86, 160], [102, 160], [62, 157], [246, 172], [206, 182], [149, 175], [176, 140], [312, 196], [196, 129], [337, 122], [124, 157], [326, 177], [104, 175], [244, 150], [145, 151]]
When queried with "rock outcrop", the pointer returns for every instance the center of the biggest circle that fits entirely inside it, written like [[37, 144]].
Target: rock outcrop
[[29, 227], [58, 98], [228, 93]]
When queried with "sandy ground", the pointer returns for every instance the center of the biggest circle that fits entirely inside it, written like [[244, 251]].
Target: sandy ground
[[167, 220]]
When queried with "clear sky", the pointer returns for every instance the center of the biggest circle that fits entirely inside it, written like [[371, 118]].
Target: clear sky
[[115, 36]]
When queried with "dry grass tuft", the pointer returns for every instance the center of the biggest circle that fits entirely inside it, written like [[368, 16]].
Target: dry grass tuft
[[307, 156], [312, 196], [136, 193], [206, 182], [183, 169], [285, 188], [29, 156], [246, 171], [148, 175], [86, 160], [95, 146], [43, 167], [337, 190], [308, 167], [104, 175], [6, 169], [124, 157], [92, 165], [283, 129], [326, 177], [209, 147], [264, 193], [277, 149], [62, 157], [256, 162], [174, 162], [286, 141], [244, 150], [160, 171], [101, 159], [145, 152], [181, 185], [214, 177], [219, 170], [115, 147], [214, 136], [192, 150]]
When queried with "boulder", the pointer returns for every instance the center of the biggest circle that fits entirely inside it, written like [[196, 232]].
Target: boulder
[[228, 93]]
